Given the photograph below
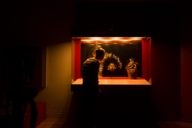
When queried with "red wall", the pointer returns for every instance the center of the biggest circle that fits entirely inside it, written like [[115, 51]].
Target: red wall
[[146, 58], [186, 81], [76, 58]]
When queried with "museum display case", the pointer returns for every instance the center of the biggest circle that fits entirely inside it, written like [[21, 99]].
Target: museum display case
[[127, 60]]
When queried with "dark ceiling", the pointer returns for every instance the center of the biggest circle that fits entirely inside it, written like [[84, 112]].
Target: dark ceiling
[[53, 22]]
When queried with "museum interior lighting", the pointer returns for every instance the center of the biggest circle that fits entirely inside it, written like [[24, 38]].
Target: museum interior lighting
[[109, 39]]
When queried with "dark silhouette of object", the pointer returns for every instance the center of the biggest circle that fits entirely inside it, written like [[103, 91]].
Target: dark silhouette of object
[[19, 108], [21, 88], [90, 71], [90, 87]]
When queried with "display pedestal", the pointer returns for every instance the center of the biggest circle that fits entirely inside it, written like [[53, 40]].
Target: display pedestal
[[114, 83]]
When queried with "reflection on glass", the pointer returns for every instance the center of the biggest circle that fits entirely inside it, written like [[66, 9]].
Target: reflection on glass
[[120, 59]]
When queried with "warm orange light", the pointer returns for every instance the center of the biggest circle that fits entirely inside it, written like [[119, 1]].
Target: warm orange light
[[115, 38], [109, 39], [96, 38], [106, 40]]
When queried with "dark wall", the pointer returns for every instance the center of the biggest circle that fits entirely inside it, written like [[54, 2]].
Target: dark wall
[[126, 19], [161, 21], [20, 78], [37, 23], [166, 77], [186, 88]]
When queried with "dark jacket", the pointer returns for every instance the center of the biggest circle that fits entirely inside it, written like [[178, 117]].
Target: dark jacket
[[90, 75]]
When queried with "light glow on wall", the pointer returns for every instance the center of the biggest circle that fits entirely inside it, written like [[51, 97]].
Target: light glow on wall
[[109, 39]]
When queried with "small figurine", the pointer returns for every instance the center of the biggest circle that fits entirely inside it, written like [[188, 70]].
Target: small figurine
[[131, 68], [111, 67]]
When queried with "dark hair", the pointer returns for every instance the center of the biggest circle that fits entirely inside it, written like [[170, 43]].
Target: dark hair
[[100, 52]]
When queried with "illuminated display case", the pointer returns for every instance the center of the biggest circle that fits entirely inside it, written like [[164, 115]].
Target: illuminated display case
[[127, 60]]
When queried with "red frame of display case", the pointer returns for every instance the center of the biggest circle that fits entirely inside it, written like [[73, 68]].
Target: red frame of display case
[[146, 58]]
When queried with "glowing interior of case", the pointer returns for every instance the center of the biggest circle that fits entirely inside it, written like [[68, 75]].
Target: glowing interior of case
[[117, 67]]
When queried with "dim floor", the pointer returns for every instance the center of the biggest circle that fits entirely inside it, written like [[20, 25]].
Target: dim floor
[[58, 123], [113, 111], [52, 123]]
